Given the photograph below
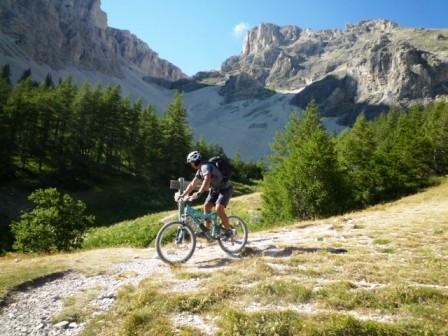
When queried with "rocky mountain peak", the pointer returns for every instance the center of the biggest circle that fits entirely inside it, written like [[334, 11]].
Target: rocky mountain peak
[[64, 33], [367, 26], [87, 10], [268, 36]]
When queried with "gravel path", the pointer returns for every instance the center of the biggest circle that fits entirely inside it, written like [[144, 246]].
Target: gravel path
[[30, 312]]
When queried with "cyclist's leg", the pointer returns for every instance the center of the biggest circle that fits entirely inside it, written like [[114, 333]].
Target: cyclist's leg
[[221, 204], [220, 209], [210, 202], [207, 208]]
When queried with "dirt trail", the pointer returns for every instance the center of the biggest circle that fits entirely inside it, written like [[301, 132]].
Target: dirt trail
[[29, 311]]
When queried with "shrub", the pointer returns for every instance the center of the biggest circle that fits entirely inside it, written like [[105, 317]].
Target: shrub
[[57, 222]]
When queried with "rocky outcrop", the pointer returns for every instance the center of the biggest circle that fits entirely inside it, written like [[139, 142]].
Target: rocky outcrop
[[137, 52], [241, 87], [62, 33], [183, 84]]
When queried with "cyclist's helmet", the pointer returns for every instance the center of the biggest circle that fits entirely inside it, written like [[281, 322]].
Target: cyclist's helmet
[[194, 157]]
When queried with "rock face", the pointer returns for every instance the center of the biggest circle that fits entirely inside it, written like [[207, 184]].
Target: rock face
[[243, 86], [366, 67], [61, 33]]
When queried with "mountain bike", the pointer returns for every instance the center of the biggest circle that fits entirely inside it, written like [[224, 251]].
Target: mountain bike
[[176, 241]]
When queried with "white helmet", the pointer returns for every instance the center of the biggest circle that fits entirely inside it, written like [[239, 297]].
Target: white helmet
[[194, 157]]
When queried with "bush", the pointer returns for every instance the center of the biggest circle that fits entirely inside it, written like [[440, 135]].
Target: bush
[[57, 223]]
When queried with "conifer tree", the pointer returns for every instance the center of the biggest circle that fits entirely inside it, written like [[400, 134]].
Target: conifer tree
[[48, 82], [177, 138], [23, 119], [84, 107], [64, 95], [5, 73], [6, 138], [25, 75], [147, 154], [355, 150], [435, 130], [304, 180]]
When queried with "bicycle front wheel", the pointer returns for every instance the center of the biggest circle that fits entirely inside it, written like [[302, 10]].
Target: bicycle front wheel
[[175, 242], [233, 245]]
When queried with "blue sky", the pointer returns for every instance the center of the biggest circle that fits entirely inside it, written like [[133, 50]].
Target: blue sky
[[199, 35]]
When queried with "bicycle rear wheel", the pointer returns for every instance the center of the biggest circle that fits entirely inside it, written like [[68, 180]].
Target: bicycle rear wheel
[[175, 242], [235, 244]]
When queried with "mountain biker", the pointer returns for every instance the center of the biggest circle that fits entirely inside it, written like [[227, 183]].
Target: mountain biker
[[220, 189]]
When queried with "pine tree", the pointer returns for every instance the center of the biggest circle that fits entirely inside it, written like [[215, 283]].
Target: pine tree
[[5, 74], [304, 180], [355, 150], [47, 111], [6, 138], [25, 75], [146, 154], [22, 116], [111, 118], [132, 112], [435, 130], [61, 135], [177, 138], [48, 82], [84, 107]]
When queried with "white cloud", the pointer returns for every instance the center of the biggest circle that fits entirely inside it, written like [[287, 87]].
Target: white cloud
[[240, 29]]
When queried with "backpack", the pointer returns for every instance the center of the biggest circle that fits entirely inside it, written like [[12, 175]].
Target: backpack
[[223, 166]]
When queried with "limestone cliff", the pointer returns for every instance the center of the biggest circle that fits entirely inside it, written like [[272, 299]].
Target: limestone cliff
[[62, 33]]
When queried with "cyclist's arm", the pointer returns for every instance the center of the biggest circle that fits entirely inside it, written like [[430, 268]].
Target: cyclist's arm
[[205, 184], [191, 186]]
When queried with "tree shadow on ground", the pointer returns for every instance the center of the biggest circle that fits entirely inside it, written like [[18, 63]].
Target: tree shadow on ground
[[274, 251], [269, 251]]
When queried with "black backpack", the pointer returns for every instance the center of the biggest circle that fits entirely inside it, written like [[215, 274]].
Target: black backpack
[[223, 165]]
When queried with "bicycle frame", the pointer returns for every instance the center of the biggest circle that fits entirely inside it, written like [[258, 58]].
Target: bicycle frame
[[197, 215]]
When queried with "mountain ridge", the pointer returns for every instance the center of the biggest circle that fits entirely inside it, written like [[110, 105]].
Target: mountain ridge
[[377, 62]]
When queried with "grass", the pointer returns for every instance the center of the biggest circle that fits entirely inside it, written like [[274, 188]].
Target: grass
[[345, 295], [289, 291], [234, 322], [133, 233]]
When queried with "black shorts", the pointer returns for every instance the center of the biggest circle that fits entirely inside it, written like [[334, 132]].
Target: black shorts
[[219, 196]]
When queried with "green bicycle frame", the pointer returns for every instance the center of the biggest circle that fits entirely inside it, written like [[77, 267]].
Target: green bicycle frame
[[196, 215]]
